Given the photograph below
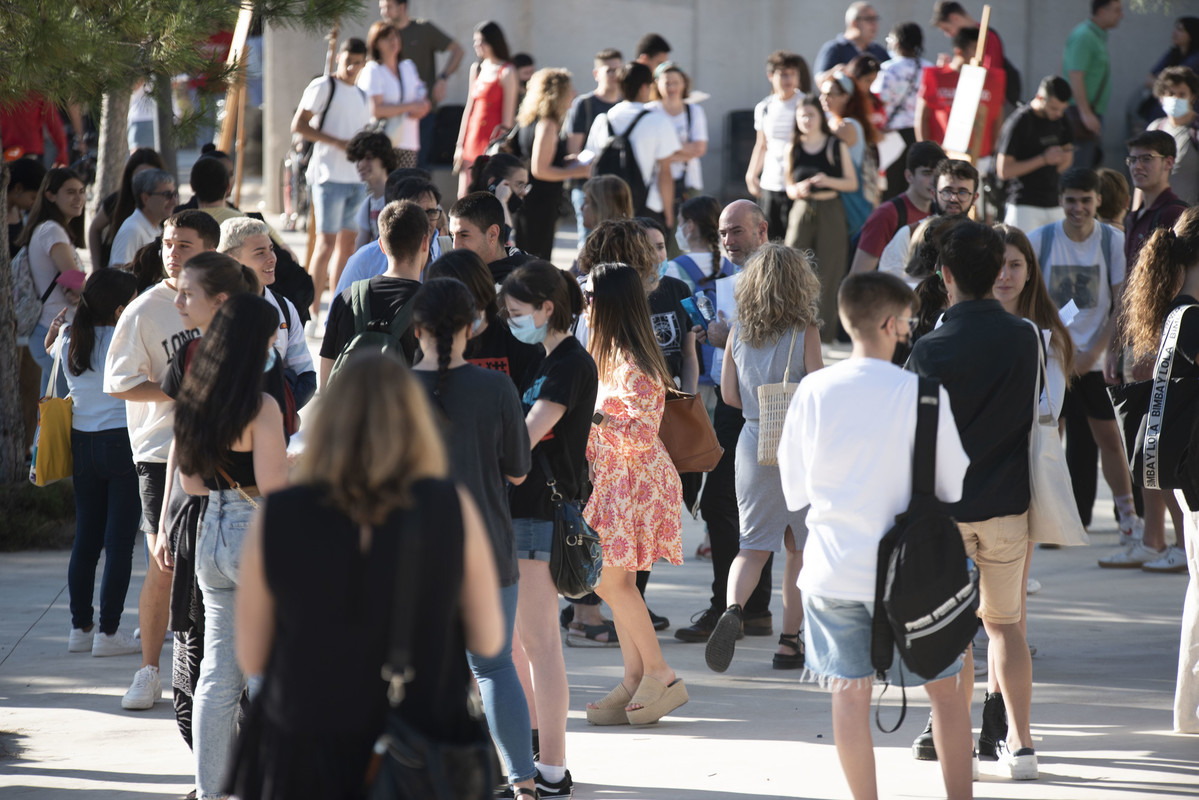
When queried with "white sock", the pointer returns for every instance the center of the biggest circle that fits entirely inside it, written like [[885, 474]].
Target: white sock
[[551, 774]]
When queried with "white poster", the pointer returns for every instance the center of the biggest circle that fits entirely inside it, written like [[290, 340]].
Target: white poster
[[965, 109]]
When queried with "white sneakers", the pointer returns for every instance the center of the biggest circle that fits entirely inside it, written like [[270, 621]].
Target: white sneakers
[[116, 644], [102, 644], [1033, 586], [1132, 556], [1132, 529], [1173, 560], [1022, 764], [145, 691]]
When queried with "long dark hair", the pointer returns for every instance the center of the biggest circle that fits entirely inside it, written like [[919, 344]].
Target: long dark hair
[[1034, 301], [222, 392], [442, 307], [704, 212], [488, 170], [218, 273], [44, 210], [466, 266], [810, 100], [538, 281], [147, 265], [126, 198], [494, 36], [106, 290], [620, 324], [1161, 268], [1191, 26]]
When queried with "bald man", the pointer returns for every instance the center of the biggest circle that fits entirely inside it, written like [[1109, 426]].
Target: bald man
[[742, 231]]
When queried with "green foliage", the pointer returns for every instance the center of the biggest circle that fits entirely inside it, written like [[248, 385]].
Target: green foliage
[[37, 518], [77, 49], [1146, 6]]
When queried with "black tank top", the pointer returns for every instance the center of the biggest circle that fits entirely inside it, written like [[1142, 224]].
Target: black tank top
[[239, 465], [804, 164]]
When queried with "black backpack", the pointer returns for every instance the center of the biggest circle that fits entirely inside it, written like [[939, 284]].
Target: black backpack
[[926, 594], [617, 158]]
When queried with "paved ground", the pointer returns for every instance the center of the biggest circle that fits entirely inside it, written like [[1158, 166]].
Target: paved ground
[[1104, 672]]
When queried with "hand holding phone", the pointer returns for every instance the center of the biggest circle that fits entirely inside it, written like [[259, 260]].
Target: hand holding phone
[[688, 304]]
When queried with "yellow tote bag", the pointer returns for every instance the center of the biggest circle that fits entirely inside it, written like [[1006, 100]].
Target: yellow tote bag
[[52, 459]]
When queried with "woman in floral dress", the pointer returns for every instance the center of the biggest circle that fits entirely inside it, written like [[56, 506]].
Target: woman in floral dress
[[635, 504]]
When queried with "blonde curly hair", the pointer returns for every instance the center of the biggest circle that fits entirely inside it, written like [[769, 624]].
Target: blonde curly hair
[[548, 96], [777, 291]]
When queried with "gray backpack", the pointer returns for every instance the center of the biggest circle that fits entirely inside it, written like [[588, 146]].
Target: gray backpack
[[27, 303]]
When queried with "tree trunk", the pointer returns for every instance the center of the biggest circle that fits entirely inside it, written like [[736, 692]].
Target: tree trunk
[[166, 122], [113, 148], [12, 419]]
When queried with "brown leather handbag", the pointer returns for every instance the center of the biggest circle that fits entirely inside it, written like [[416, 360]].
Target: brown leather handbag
[[687, 432]]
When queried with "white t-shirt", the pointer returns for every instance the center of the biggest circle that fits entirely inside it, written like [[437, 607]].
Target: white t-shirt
[[91, 409], [148, 335], [696, 131], [776, 118], [45, 236], [289, 342], [135, 233], [894, 258], [1076, 271], [377, 80], [653, 139], [846, 450], [347, 114], [368, 215]]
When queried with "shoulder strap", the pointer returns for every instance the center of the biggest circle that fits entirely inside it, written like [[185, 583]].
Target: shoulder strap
[[403, 319], [397, 671], [690, 133], [691, 268], [924, 457], [1105, 244], [1047, 234], [901, 211], [629, 130], [360, 304], [329, 102]]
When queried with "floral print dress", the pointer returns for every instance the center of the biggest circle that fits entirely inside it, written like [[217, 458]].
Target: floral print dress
[[636, 502]]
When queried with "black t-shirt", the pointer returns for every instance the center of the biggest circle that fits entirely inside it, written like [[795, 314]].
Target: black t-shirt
[[566, 376], [486, 436], [14, 232], [387, 296], [497, 349], [1187, 354], [502, 268], [670, 321], [1026, 135]]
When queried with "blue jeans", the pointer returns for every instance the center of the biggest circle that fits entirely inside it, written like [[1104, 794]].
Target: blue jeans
[[218, 560], [576, 200], [504, 699], [44, 360], [427, 124], [107, 510], [337, 205]]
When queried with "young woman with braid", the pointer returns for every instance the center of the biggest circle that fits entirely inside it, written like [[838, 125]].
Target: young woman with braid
[[1166, 277], [697, 235], [488, 443]]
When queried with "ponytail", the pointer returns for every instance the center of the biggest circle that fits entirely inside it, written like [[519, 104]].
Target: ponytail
[[1157, 277], [105, 291], [704, 212], [443, 306]]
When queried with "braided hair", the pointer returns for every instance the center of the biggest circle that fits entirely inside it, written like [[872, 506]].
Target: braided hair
[[442, 307], [704, 212]]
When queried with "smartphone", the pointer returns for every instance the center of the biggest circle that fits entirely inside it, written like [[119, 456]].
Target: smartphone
[[688, 304]]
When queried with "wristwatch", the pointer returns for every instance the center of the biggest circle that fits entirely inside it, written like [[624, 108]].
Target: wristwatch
[[597, 418]]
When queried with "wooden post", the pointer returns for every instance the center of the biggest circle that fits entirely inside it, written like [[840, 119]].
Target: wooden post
[[982, 36], [240, 164], [236, 59]]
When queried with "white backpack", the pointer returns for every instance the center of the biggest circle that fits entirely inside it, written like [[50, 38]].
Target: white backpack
[[27, 304]]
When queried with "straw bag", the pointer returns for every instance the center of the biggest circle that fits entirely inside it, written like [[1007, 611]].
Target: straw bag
[[52, 460], [1052, 511], [773, 401]]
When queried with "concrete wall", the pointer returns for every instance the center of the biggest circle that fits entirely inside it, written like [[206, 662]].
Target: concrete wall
[[723, 44]]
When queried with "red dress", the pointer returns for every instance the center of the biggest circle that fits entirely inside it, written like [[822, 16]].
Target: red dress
[[486, 113]]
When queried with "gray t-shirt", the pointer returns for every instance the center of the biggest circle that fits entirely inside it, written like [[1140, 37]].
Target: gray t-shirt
[[481, 417]]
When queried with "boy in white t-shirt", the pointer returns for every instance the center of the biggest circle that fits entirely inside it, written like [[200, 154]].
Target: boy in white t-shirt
[[147, 336], [774, 119], [846, 450]]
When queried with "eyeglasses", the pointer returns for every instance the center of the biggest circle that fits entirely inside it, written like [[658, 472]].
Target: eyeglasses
[[909, 321], [434, 214], [867, 18], [1144, 160], [167, 195], [950, 194]]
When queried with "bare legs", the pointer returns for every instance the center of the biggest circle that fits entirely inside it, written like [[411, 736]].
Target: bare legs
[[153, 610], [329, 258], [537, 629], [747, 568], [639, 646]]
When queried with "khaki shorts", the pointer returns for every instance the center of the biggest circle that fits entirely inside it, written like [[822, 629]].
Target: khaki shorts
[[998, 546]]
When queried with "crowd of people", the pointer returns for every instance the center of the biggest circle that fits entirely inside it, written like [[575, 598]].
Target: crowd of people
[[469, 386]]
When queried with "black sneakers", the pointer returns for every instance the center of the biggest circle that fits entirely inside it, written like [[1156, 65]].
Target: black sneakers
[[923, 748], [564, 788], [723, 641], [701, 626], [994, 727]]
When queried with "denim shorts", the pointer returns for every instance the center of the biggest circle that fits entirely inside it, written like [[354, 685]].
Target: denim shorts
[[534, 538], [837, 643], [336, 205]]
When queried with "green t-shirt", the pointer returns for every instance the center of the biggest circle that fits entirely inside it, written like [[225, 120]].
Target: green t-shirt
[[422, 41], [1086, 52]]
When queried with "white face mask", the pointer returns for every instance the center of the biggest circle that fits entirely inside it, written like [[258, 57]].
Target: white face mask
[[1176, 106], [681, 238]]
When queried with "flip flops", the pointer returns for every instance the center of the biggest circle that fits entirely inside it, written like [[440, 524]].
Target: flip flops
[[610, 710], [656, 699]]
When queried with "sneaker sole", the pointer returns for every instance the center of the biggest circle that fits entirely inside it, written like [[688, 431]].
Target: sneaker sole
[[1164, 570], [134, 705], [1128, 565], [580, 640], [924, 751], [722, 643], [108, 654], [1023, 768]]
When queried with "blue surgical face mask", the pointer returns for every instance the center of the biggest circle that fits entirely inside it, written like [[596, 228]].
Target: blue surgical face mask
[[662, 268], [680, 238], [478, 323], [1176, 106], [272, 357], [526, 330]]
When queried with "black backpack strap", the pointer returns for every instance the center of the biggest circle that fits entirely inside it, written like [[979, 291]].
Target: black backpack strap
[[401, 323], [629, 130], [397, 670], [901, 211], [924, 457]]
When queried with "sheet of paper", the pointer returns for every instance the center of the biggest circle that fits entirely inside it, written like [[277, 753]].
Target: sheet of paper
[[965, 109], [725, 300], [889, 149], [1068, 312]]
